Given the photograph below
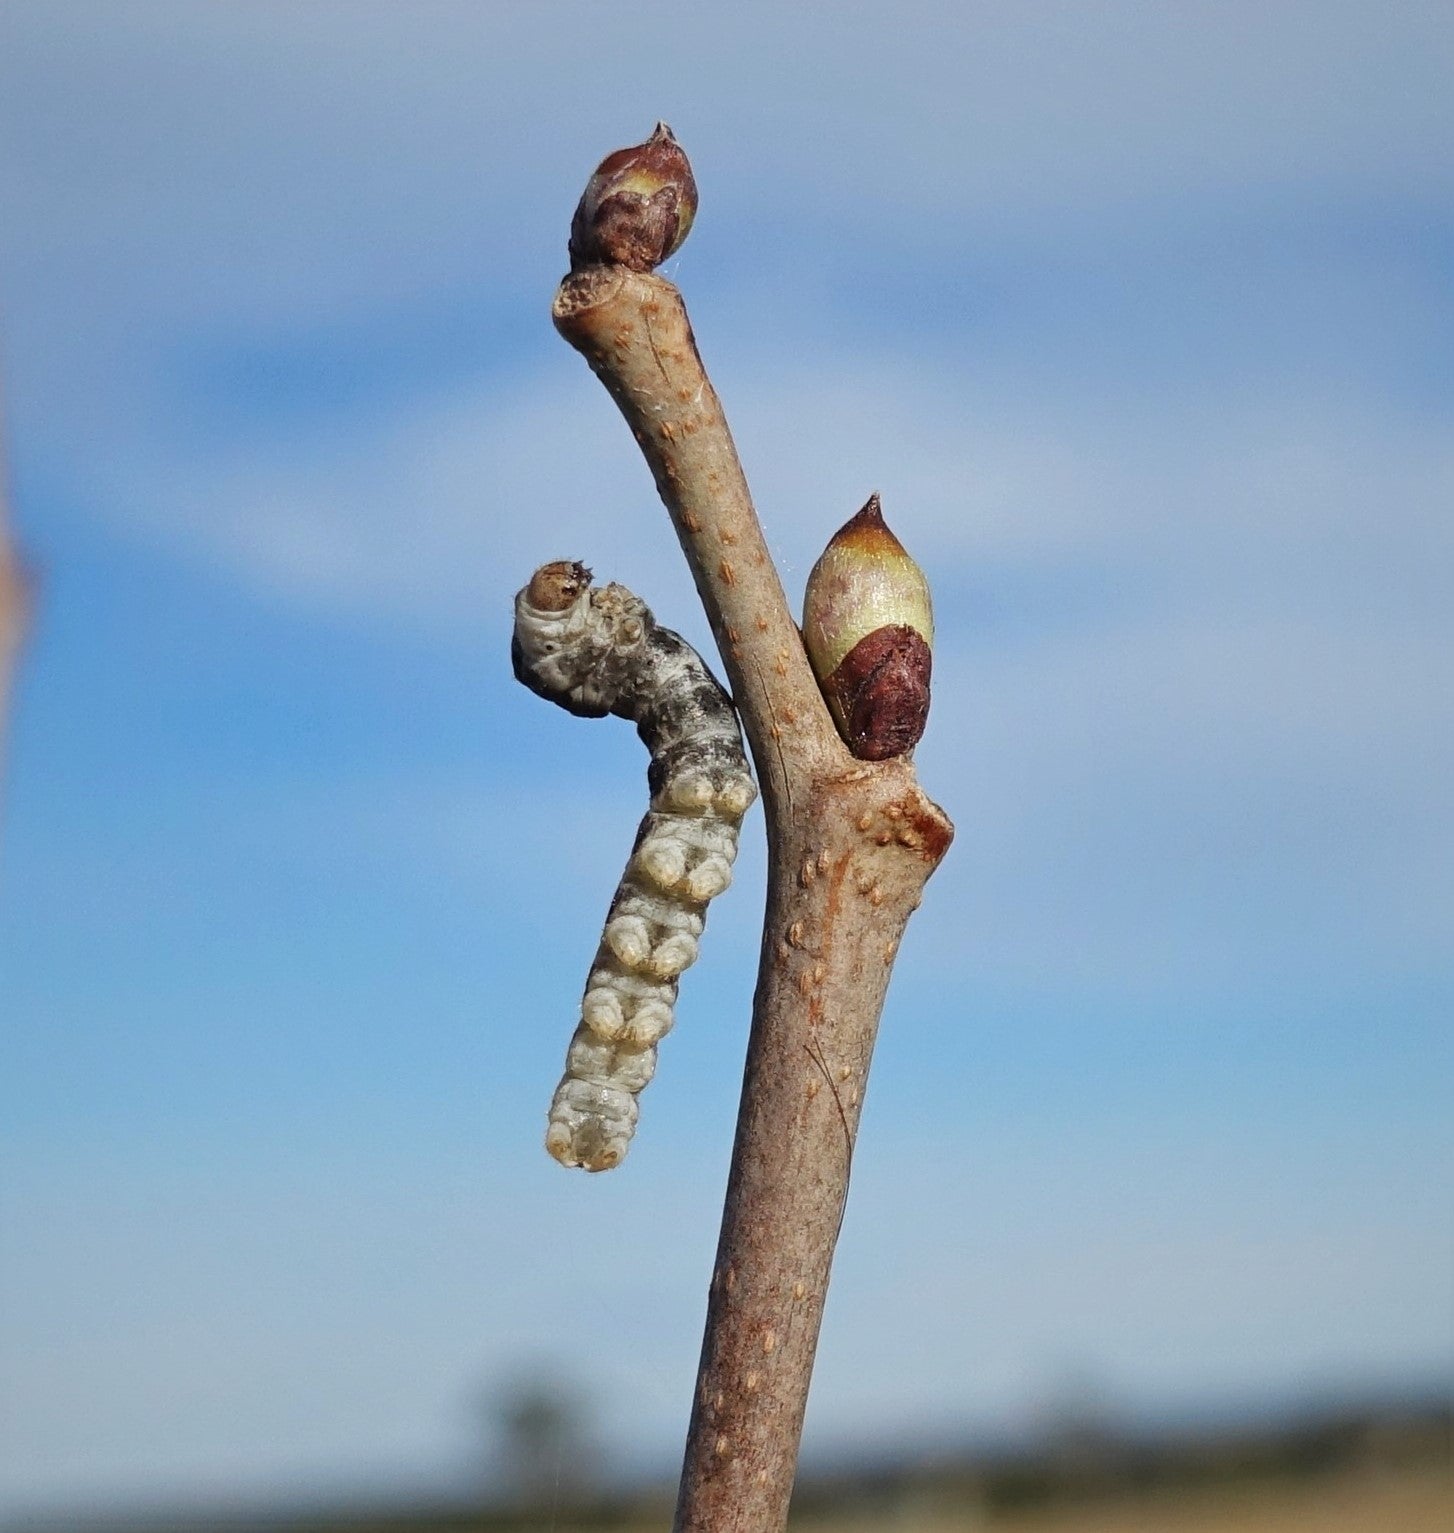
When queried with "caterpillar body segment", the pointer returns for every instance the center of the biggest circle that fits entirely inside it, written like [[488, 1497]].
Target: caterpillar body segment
[[595, 650]]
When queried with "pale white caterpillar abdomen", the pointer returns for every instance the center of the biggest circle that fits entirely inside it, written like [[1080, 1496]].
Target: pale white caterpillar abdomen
[[598, 650]]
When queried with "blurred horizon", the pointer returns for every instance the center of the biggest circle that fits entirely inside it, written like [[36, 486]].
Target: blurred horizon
[[1140, 321], [1344, 1464]]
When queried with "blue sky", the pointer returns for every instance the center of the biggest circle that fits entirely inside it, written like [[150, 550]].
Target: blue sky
[[1140, 318]]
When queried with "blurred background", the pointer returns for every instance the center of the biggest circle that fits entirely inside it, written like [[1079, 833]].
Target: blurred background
[[1140, 318]]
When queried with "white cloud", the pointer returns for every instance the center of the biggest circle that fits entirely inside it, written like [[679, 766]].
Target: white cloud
[[1192, 651], [1277, 498], [427, 520]]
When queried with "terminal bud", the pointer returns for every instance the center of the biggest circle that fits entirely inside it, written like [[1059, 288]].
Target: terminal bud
[[637, 208], [868, 625]]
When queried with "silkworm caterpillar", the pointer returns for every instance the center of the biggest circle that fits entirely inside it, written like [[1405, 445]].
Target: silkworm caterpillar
[[595, 650]]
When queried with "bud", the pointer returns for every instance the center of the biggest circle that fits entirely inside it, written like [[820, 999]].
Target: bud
[[637, 208], [868, 625]]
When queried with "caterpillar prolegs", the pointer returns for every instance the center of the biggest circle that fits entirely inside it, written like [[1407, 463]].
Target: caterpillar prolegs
[[596, 650]]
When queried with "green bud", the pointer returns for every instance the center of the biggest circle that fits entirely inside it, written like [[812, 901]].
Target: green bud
[[868, 624]]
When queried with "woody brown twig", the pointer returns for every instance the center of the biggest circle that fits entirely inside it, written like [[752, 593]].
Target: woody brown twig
[[851, 844]]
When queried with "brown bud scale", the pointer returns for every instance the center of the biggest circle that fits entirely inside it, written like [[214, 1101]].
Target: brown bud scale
[[881, 692], [637, 208]]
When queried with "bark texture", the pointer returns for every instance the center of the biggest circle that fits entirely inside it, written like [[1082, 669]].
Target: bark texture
[[850, 846]]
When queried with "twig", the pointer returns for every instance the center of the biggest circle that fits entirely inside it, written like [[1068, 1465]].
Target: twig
[[850, 846]]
